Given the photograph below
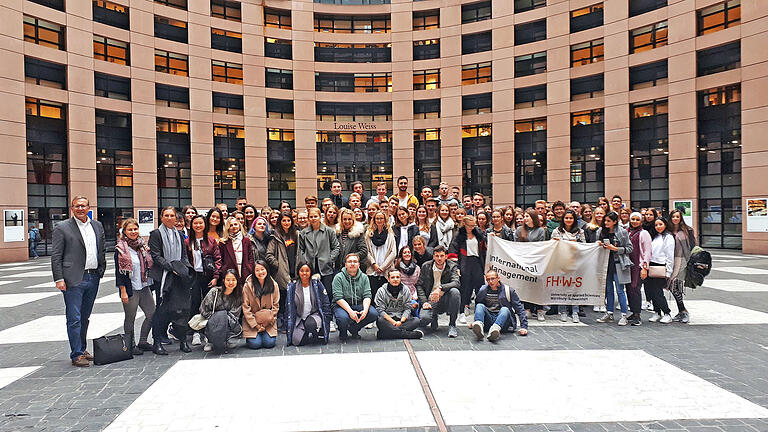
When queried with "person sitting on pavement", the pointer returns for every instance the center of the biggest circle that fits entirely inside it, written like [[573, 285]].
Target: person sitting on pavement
[[352, 295], [308, 309], [222, 307], [438, 290], [261, 300], [393, 303], [494, 308]]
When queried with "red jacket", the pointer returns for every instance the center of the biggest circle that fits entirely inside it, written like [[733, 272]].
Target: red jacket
[[209, 246], [228, 260]]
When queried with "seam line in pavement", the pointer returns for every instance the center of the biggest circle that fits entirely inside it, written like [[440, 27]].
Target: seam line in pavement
[[425, 388]]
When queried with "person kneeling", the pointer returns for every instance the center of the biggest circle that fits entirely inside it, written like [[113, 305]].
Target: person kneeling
[[493, 309], [393, 303], [308, 310], [352, 293], [222, 307], [261, 297]]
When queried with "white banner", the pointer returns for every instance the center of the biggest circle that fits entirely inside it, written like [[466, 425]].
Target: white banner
[[554, 272]]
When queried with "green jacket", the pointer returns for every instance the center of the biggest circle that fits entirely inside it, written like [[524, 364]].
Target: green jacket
[[352, 289]]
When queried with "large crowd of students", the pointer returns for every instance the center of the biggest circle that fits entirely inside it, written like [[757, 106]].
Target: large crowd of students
[[394, 263]]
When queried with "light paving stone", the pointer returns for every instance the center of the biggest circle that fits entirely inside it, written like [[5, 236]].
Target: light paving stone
[[655, 390], [54, 328], [9, 375], [707, 312], [355, 399], [735, 285], [41, 273], [13, 300], [742, 270]]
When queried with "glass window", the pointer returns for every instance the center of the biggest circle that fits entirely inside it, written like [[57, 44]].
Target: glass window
[[277, 18], [353, 53], [526, 5], [44, 73], [530, 161], [426, 80], [586, 53], [358, 83], [110, 50], [476, 73], [530, 32], [474, 12], [354, 156], [426, 109], [178, 4], [110, 13], [530, 64], [587, 18], [477, 159], [587, 156], [350, 111], [587, 87], [111, 86], [171, 29], [226, 40], [279, 108], [426, 161], [719, 17], [648, 75], [227, 72], [279, 78], [476, 42], [476, 104], [277, 48], [637, 7], [353, 24], [527, 97], [426, 49], [648, 37], [55, 4], [171, 96], [228, 10], [227, 103], [649, 155], [171, 63], [718, 59], [426, 20], [44, 33]]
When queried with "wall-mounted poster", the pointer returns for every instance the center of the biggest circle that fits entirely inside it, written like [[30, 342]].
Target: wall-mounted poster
[[757, 214], [146, 222], [687, 208], [13, 227]]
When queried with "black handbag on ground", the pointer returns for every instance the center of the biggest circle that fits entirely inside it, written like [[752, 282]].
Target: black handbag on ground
[[111, 349]]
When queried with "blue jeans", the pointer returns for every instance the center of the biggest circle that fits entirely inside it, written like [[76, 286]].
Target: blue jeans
[[345, 323], [610, 279], [262, 340], [33, 249], [502, 318], [78, 302]]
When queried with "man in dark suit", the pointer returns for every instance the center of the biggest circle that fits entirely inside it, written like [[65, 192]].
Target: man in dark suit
[[78, 263], [170, 273]]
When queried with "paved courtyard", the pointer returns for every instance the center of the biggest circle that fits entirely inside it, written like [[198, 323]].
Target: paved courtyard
[[710, 375]]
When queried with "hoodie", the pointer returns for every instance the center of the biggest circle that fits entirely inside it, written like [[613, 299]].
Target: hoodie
[[353, 289], [396, 308]]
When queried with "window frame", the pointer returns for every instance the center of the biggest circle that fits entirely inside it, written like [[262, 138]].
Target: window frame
[[426, 45], [534, 90], [718, 51], [476, 69], [176, 4], [167, 55], [655, 41], [227, 37], [173, 25], [530, 58], [480, 103], [36, 39], [591, 46], [475, 42], [657, 80], [725, 8], [420, 79], [422, 105], [175, 96], [114, 9], [282, 103], [284, 81], [236, 108], [39, 68], [533, 28], [419, 20], [227, 6], [106, 43], [278, 18], [357, 24], [593, 92], [592, 10], [115, 79], [475, 12], [227, 67]]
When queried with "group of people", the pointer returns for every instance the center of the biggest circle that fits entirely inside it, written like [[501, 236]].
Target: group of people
[[345, 263]]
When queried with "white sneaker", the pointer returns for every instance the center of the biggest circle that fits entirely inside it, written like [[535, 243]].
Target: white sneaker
[[208, 347], [623, 320], [648, 306], [541, 315], [494, 332], [332, 328], [576, 318], [462, 319], [564, 317], [666, 319], [607, 317], [466, 311], [196, 339], [370, 326], [477, 328], [602, 309], [654, 318], [595, 308]]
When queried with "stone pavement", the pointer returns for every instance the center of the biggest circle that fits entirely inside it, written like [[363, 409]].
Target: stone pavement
[[711, 375]]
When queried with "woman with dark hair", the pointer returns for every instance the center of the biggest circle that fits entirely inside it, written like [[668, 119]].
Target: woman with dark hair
[[498, 228], [685, 240], [604, 204], [509, 217], [531, 230], [214, 223], [272, 217], [615, 238], [409, 273], [261, 238], [308, 309], [641, 257], [482, 221], [469, 248], [569, 230], [281, 255], [662, 255], [331, 216], [250, 213], [261, 301], [132, 264], [650, 219], [404, 230], [285, 207], [204, 255], [236, 250], [222, 307], [188, 213]]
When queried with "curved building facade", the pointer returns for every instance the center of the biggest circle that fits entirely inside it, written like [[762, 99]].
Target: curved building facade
[[144, 104]]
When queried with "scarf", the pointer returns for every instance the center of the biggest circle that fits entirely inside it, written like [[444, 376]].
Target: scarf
[[409, 268], [378, 238], [444, 230], [394, 291], [124, 263], [237, 240], [171, 248]]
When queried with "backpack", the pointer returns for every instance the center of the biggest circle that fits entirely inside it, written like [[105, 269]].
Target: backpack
[[698, 267]]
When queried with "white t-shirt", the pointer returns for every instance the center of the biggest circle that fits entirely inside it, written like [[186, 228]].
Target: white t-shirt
[[472, 247], [307, 309]]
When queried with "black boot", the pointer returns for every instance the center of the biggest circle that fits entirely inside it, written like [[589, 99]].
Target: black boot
[[134, 349], [184, 346], [158, 349]]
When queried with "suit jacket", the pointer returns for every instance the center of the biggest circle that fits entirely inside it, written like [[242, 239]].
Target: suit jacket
[[68, 256], [159, 263]]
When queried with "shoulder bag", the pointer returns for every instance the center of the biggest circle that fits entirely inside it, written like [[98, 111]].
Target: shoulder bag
[[198, 321], [111, 349]]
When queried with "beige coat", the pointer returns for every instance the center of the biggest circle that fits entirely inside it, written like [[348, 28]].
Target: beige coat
[[259, 313]]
